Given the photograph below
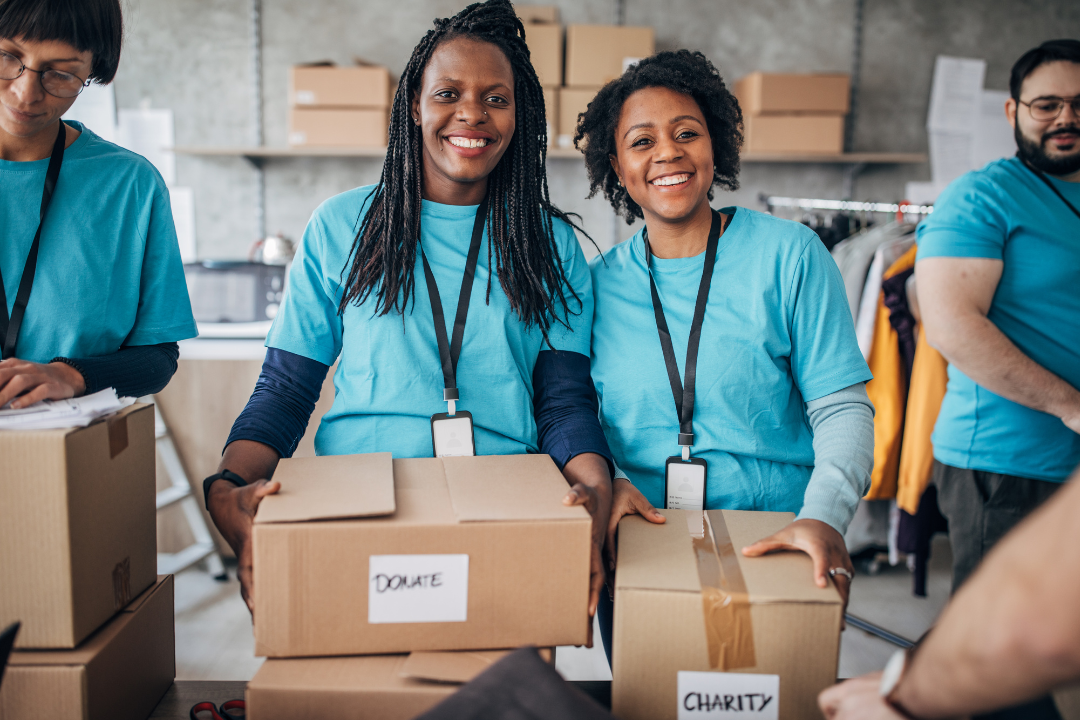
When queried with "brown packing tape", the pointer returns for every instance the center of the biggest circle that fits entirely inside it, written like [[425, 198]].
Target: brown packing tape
[[118, 435], [725, 601]]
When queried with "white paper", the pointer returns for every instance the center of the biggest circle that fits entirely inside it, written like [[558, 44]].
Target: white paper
[[96, 109], [728, 695], [956, 93], [418, 588], [922, 193], [950, 155], [993, 136], [57, 414], [149, 132], [183, 212]]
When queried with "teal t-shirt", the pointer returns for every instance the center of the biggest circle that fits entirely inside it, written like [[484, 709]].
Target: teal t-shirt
[[1006, 213], [777, 333], [109, 271], [389, 378]]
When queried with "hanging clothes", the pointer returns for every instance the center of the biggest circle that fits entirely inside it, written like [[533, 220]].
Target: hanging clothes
[[855, 255], [929, 376], [894, 293], [884, 257]]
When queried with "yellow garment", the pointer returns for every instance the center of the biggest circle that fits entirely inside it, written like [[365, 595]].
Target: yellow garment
[[888, 392], [929, 376]]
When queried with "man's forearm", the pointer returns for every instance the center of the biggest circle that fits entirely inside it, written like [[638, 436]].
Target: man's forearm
[[1012, 633]]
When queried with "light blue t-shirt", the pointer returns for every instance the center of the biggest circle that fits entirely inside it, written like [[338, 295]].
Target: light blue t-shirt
[[777, 333], [389, 378], [109, 271], [1005, 212]]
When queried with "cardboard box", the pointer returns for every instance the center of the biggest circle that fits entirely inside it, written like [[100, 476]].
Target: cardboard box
[[572, 102], [595, 54], [546, 50], [120, 673], [327, 127], [366, 86], [388, 687], [537, 13], [764, 93], [767, 616], [77, 525], [807, 134], [359, 556]]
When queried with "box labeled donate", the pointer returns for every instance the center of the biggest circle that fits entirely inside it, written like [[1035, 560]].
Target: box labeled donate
[[361, 554], [77, 525], [721, 627]]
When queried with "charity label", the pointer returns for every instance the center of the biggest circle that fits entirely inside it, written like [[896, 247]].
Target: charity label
[[728, 695], [418, 588]]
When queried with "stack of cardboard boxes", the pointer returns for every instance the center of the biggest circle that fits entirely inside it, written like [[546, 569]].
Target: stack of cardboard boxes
[[594, 55], [339, 107], [78, 559], [793, 113], [384, 583]]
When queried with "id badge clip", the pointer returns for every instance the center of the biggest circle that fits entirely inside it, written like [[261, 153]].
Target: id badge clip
[[685, 478], [452, 431]]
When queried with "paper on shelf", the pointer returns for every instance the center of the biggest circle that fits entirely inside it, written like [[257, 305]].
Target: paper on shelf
[[69, 413], [149, 132], [993, 136], [955, 94]]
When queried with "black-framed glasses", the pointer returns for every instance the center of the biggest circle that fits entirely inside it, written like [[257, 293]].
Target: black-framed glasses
[[1048, 108], [55, 82]]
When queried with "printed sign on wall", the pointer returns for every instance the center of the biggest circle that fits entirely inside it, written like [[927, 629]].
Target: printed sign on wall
[[728, 695], [418, 588]]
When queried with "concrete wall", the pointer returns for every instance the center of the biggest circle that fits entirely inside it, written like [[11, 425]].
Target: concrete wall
[[192, 56]]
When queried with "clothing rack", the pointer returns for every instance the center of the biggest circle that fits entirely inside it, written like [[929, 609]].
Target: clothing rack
[[774, 201]]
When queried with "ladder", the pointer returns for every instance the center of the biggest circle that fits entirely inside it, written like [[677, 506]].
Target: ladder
[[179, 491]]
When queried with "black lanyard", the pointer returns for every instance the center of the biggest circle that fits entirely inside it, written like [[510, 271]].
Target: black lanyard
[[450, 352], [684, 392], [9, 327], [1042, 176]]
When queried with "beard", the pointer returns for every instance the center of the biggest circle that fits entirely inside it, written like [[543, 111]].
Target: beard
[[1034, 153]]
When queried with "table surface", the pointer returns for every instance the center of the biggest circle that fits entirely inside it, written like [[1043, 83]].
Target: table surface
[[177, 702]]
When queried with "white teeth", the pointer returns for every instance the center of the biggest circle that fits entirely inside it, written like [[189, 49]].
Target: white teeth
[[671, 180], [468, 143]]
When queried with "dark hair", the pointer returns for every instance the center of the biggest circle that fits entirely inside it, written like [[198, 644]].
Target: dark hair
[[520, 212], [1050, 51], [96, 26], [683, 71]]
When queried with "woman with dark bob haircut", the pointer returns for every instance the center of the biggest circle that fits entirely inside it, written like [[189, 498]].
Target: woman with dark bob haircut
[[737, 316]]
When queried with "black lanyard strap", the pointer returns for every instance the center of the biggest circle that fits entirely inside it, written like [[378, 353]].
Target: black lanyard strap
[[683, 392], [1042, 176], [9, 326], [449, 352]]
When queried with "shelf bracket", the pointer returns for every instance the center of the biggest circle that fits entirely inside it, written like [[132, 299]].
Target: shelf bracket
[[255, 161]]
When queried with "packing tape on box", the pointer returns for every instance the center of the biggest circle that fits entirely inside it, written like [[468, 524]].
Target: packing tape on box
[[725, 601]]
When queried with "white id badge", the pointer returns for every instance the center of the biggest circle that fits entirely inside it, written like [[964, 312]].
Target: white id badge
[[685, 483], [452, 435]]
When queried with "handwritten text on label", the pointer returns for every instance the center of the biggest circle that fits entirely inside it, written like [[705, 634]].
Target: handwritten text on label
[[728, 695], [418, 588]]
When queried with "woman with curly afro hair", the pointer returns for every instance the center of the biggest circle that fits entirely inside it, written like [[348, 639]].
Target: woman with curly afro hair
[[738, 316]]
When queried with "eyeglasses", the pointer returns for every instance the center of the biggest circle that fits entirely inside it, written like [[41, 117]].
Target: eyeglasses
[[1048, 108], [55, 82]]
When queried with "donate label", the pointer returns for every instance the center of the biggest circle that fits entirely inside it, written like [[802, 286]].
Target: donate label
[[418, 588], [728, 695]]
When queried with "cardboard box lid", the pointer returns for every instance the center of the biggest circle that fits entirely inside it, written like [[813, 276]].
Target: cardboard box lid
[[449, 667], [331, 487], [97, 642], [507, 487], [661, 557]]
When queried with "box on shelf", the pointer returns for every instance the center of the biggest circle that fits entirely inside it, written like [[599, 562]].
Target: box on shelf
[[324, 85], [807, 134], [596, 54], [537, 13], [337, 127], [78, 535], [361, 554], [389, 687], [766, 617], [551, 112], [546, 50], [572, 102], [119, 673], [764, 93]]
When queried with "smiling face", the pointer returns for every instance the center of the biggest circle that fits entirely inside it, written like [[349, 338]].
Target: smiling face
[[664, 154], [1052, 145], [465, 108], [25, 108]]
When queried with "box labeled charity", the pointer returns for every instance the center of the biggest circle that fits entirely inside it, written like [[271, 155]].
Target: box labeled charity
[[350, 86], [361, 554], [597, 54], [769, 93], [119, 673], [688, 605], [77, 525]]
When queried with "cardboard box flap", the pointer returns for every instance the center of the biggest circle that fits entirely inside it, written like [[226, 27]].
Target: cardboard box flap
[[449, 667], [508, 487], [360, 672], [331, 487], [656, 557]]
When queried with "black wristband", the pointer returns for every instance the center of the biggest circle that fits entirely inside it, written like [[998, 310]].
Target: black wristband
[[223, 475]]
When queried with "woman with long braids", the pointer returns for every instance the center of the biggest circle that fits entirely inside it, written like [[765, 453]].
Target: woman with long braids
[[461, 210]]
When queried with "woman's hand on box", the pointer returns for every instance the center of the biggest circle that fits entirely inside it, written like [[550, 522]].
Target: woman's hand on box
[[590, 487], [23, 383], [821, 542], [233, 511], [626, 500]]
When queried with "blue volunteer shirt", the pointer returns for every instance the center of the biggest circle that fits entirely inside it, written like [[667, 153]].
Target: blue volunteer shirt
[[389, 381], [1005, 212], [777, 333], [109, 271]]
